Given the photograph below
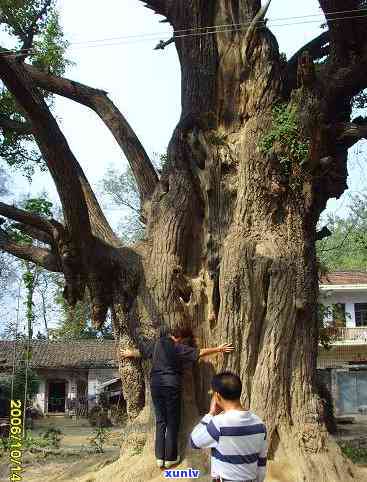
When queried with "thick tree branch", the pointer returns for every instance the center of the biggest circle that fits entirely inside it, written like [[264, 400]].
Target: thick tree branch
[[352, 132], [344, 74], [25, 217], [21, 128], [34, 233], [97, 100], [340, 83], [40, 256], [33, 29], [316, 48], [55, 150], [99, 224], [158, 6], [347, 30]]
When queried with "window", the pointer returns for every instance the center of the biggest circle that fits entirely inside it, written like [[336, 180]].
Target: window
[[361, 314], [338, 314]]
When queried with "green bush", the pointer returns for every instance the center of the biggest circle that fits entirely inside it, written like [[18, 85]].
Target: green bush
[[31, 442], [49, 439], [19, 385], [356, 455], [285, 134], [4, 444], [53, 436], [98, 417], [99, 438]]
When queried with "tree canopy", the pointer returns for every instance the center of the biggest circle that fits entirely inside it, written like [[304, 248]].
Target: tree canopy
[[346, 247]]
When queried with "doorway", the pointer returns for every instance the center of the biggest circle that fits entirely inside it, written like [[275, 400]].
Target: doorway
[[56, 396], [352, 387]]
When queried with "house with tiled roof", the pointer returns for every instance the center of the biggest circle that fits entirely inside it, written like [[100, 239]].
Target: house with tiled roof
[[71, 372], [343, 296]]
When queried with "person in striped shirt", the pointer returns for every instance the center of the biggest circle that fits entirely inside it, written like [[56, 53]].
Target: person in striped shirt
[[237, 437]]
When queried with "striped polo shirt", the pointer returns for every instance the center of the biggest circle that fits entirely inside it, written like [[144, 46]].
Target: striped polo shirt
[[238, 444]]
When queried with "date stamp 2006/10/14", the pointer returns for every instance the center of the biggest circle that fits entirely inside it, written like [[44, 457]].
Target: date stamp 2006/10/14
[[16, 441]]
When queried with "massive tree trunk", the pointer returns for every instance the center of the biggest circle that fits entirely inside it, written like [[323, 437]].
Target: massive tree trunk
[[232, 227], [231, 223]]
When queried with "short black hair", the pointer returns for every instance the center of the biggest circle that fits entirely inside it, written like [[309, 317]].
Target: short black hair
[[182, 332], [228, 385]]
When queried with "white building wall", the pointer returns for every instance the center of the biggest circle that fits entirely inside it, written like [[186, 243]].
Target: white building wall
[[40, 398], [331, 297], [46, 376], [96, 376]]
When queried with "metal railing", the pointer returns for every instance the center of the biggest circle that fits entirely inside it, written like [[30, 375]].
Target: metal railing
[[344, 334], [78, 406]]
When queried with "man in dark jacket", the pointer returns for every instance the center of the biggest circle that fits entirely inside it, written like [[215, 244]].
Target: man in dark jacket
[[169, 357]]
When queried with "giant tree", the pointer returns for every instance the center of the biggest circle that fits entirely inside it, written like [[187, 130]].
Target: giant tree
[[229, 248]]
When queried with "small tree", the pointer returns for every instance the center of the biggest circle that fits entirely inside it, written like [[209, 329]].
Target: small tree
[[19, 382], [346, 246]]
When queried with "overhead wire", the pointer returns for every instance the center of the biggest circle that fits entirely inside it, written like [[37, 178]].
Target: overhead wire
[[199, 31], [194, 29]]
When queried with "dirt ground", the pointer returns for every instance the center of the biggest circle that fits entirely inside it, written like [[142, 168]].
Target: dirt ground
[[76, 463], [74, 458], [75, 431]]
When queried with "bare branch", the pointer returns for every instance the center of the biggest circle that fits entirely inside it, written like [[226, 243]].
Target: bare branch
[[39, 256], [100, 226], [163, 44], [97, 100], [21, 128]]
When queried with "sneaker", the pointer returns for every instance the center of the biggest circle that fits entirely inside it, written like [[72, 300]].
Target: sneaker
[[160, 463], [170, 463]]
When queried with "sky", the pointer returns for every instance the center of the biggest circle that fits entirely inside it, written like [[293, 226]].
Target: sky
[[112, 46]]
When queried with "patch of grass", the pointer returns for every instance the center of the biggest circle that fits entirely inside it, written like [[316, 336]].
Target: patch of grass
[[356, 455], [54, 436], [50, 439], [4, 445]]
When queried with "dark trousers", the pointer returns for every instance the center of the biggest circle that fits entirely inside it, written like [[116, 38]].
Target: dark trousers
[[226, 480], [167, 407]]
